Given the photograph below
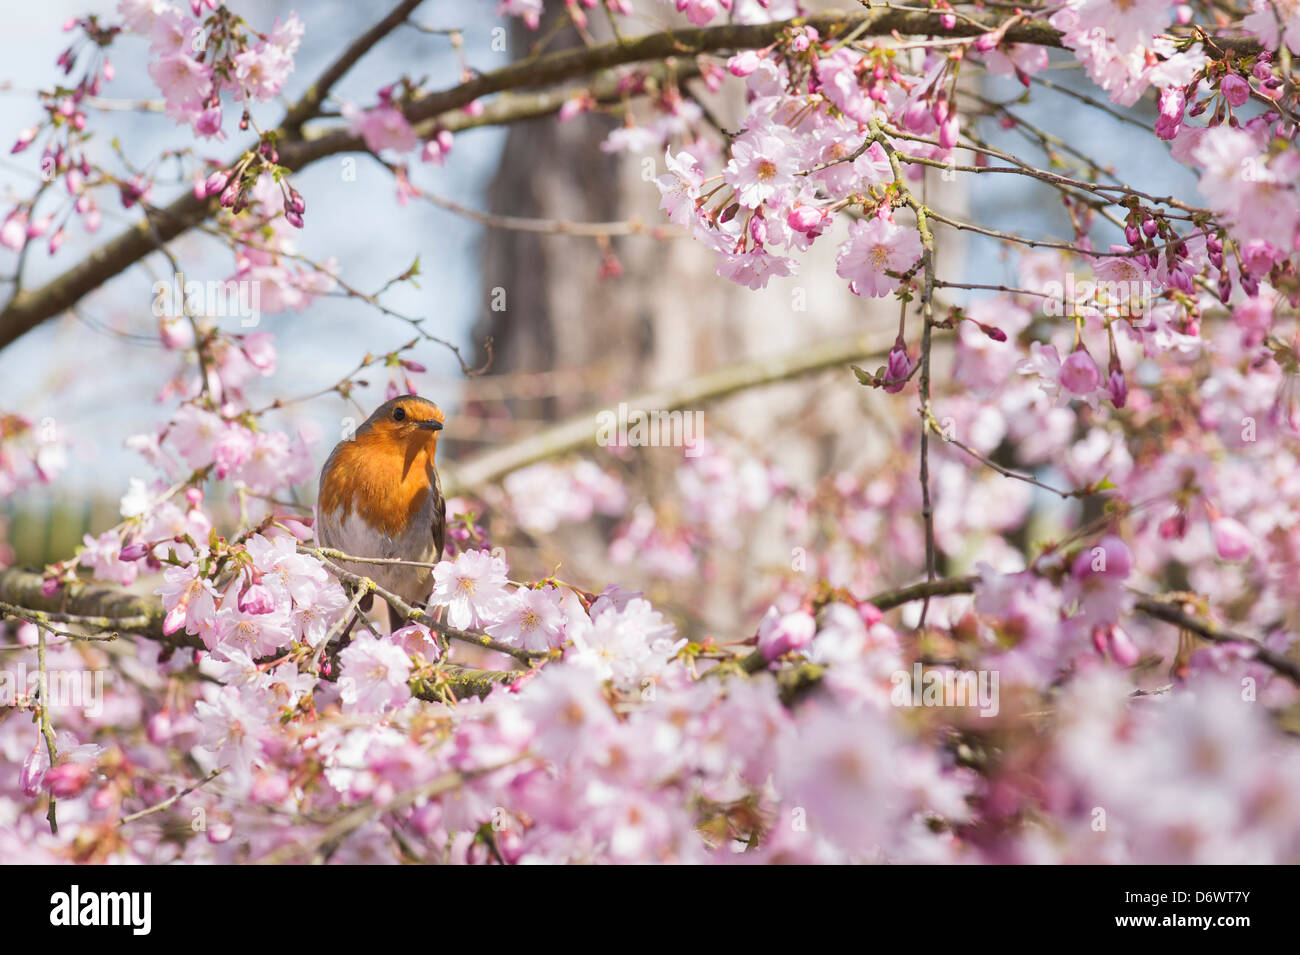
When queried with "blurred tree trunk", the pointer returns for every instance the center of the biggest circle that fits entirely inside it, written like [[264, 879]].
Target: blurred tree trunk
[[668, 317]]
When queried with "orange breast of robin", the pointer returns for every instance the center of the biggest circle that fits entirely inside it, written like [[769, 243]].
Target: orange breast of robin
[[382, 480]]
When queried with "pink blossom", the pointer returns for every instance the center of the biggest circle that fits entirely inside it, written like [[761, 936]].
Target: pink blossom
[[383, 127], [254, 632], [263, 70], [754, 268], [761, 165], [286, 573], [565, 706], [700, 12], [874, 246], [1234, 89], [189, 599], [103, 553], [170, 31], [532, 620], [779, 634], [185, 83], [472, 587], [1263, 23], [1125, 23], [208, 125], [437, 148], [374, 674], [680, 186]]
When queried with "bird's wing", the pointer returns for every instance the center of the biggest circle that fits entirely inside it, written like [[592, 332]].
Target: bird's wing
[[439, 517]]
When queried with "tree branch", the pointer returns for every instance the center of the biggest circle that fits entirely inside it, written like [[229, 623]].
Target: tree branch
[[310, 104], [298, 148], [581, 431], [1165, 609]]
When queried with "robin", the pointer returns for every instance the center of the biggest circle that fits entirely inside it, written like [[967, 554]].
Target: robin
[[380, 497]]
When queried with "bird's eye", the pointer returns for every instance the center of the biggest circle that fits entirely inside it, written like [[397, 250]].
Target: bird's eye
[[399, 414]]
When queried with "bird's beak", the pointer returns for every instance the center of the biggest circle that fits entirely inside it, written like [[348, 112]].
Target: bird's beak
[[431, 425]]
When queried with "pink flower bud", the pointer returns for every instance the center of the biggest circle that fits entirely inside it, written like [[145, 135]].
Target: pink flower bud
[[216, 182], [917, 117], [778, 634], [175, 618], [948, 132], [1231, 539], [898, 368], [805, 219], [256, 599], [1174, 527], [25, 138], [209, 122], [1172, 103], [573, 106], [160, 728], [1079, 373], [1109, 557], [1234, 89], [1114, 639], [13, 234], [68, 779], [133, 552], [742, 64], [33, 771], [1117, 387], [869, 613]]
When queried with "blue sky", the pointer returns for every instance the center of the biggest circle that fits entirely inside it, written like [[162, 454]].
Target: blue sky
[[101, 387]]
